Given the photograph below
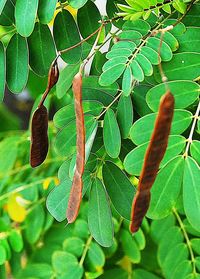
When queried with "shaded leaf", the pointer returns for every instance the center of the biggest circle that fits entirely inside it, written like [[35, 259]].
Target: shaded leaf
[[119, 188], [99, 215]]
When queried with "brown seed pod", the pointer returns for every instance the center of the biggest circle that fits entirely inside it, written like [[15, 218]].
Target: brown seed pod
[[39, 137], [77, 184], [154, 155]]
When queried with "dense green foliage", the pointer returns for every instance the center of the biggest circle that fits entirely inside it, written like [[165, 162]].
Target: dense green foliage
[[121, 92]]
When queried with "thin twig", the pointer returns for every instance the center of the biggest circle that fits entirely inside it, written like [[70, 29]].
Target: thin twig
[[87, 246], [186, 238], [104, 111], [189, 140]]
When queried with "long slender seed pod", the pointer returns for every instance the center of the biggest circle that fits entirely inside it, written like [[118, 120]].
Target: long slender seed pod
[[39, 124], [39, 137], [77, 184], [154, 155]]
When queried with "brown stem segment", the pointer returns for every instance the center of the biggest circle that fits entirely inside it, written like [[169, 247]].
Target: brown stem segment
[[77, 184], [154, 155]]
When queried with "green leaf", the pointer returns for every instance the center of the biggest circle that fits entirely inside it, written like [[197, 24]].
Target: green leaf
[[34, 224], [127, 81], [95, 256], [66, 114], [195, 242], [2, 254], [111, 75], [77, 4], [17, 63], [93, 91], [8, 151], [140, 239], [159, 227], [7, 15], [142, 129], [74, 245], [195, 150], [185, 94], [178, 30], [189, 40], [25, 16], [142, 274], [171, 262], [130, 247], [138, 25], [182, 270], [170, 39], [180, 6], [2, 71], [111, 134], [116, 273], [125, 115], [175, 235], [16, 241], [99, 215], [41, 49], [36, 270], [67, 265], [183, 66], [67, 36], [151, 55], [65, 142], [57, 200], [166, 188], [117, 52], [191, 192], [119, 188], [134, 159], [165, 50], [46, 10], [145, 64], [87, 24], [139, 100], [137, 71], [131, 35], [65, 79], [2, 4]]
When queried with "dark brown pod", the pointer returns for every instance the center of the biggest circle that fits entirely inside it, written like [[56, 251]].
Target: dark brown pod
[[154, 155], [77, 184], [39, 136]]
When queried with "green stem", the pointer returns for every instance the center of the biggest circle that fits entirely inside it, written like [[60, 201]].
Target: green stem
[[87, 246], [186, 238]]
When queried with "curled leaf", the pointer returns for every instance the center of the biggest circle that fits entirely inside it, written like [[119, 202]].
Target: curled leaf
[[154, 154], [39, 137], [77, 184]]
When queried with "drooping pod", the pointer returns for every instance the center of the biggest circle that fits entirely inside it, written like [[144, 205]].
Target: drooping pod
[[154, 155], [77, 184], [39, 123], [39, 137]]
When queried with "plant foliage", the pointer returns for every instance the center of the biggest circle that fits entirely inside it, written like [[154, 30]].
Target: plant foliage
[[136, 51]]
